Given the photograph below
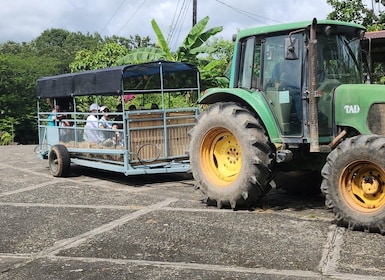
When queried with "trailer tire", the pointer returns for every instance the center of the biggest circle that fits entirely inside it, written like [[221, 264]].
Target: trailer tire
[[231, 157], [59, 161], [354, 183]]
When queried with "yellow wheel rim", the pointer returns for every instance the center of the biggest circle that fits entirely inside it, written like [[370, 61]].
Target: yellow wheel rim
[[220, 157], [362, 186]]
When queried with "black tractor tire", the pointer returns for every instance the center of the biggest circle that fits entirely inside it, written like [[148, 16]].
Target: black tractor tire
[[231, 157], [59, 161], [354, 183]]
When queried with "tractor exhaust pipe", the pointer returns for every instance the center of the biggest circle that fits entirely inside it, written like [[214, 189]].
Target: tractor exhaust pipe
[[313, 109]]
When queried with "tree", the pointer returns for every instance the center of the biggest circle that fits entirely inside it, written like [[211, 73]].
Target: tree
[[355, 11], [18, 74], [103, 57], [214, 65], [63, 45], [49, 54], [133, 42], [191, 47]]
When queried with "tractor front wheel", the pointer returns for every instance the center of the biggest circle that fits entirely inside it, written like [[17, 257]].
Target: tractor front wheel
[[354, 183], [231, 156]]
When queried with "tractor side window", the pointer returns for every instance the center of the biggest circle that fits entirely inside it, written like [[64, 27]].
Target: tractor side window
[[247, 63], [257, 67], [278, 71]]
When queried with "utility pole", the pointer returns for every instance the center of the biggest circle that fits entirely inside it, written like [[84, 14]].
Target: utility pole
[[194, 17]]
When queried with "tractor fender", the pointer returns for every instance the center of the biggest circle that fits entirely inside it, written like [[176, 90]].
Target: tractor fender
[[251, 99]]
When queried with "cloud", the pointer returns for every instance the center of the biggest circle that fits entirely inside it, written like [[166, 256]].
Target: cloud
[[24, 20]]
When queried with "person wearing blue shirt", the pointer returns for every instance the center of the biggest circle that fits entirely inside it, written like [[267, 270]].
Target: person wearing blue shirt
[[53, 117]]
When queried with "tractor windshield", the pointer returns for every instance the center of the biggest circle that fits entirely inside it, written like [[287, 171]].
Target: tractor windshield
[[339, 59], [339, 62]]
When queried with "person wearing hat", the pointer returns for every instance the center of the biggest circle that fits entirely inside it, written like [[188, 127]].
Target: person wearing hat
[[104, 123], [92, 125]]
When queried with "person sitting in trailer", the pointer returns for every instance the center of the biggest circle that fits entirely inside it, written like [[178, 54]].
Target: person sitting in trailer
[[118, 119], [104, 123], [91, 130], [65, 134]]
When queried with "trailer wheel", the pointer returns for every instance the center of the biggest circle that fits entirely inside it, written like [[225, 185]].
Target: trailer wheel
[[354, 183], [231, 156], [59, 161]]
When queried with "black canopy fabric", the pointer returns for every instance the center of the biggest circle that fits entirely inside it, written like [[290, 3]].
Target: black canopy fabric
[[104, 81]]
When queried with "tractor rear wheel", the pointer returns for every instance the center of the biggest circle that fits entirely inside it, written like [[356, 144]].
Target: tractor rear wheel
[[231, 156], [354, 183], [59, 161]]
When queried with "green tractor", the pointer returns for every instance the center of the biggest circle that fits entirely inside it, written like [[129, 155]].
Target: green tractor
[[297, 101]]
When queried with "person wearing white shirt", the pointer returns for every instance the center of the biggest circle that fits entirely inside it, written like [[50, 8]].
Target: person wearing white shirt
[[91, 130]]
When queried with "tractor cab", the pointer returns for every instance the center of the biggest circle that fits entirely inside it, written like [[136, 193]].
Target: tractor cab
[[276, 64]]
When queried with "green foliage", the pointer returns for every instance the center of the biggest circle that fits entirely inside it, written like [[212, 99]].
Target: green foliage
[[142, 55], [58, 51], [5, 138], [162, 41], [214, 65], [49, 54], [191, 45], [211, 58], [189, 51], [18, 74], [357, 12], [105, 56], [7, 131], [133, 42]]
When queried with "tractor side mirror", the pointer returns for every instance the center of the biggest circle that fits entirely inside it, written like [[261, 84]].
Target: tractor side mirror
[[291, 48]]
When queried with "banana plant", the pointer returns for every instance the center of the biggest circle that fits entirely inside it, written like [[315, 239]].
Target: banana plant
[[188, 51]]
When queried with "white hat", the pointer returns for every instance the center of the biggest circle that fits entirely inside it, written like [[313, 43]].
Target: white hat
[[94, 106], [101, 109]]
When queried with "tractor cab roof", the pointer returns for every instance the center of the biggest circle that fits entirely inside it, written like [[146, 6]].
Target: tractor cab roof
[[286, 28]]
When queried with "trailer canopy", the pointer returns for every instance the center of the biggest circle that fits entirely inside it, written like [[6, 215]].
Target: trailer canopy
[[112, 81]]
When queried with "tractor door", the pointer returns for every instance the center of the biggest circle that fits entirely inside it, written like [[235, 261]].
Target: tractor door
[[282, 80]]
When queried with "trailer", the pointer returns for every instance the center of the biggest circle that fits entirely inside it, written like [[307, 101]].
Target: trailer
[[132, 141]]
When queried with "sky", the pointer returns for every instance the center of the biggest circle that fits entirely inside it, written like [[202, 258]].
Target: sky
[[24, 20]]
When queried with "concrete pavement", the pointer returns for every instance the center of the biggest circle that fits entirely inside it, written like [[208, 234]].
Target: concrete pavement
[[101, 225]]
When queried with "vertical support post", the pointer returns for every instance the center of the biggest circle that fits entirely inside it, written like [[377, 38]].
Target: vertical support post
[[313, 108], [194, 17]]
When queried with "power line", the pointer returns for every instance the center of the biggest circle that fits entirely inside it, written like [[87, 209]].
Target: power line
[[184, 17], [130, 18], [121, 4], [179, 22], [171, 29], [248, 14]]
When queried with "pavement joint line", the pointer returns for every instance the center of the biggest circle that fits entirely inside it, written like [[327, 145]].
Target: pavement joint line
[[100, 183], [174, 209], [28, 170], [33, 187], [197, 266], [79, 239], [15, 255], [331, 253], [368, 269], [51, 205], [349, 276], [278, 213], [94, 183]]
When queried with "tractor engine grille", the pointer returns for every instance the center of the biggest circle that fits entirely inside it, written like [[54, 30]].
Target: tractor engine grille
[[376, 118]]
